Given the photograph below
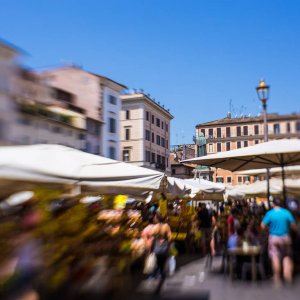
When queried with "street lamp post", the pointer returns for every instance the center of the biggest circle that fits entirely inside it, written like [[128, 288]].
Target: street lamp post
[[263, 95]]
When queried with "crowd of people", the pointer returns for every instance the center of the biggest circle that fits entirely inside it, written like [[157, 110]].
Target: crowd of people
[[275, 232]]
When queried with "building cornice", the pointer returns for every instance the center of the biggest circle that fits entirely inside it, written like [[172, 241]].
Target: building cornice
[[142, 98]]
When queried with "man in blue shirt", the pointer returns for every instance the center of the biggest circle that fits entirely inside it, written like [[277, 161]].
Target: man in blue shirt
[[280, 220]]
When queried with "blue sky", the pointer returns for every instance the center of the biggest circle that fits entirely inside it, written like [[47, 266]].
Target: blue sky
[[191, 55]]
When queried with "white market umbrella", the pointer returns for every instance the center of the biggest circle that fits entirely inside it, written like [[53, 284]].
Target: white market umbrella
[[292, 170], [94, 173], [203, 189], [15, 179], [258, 188], [177, 188], [293, 186], [277, 153], [19, 198]]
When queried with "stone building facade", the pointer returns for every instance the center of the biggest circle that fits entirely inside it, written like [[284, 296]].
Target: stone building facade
[[145, 132], [232, 133]]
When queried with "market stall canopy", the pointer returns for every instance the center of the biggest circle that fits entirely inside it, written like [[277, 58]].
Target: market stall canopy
[[177, 188], [293, 186], [92, 172], [259, 188], [276, 153], [205, 190], [293, 170], [14, 180]]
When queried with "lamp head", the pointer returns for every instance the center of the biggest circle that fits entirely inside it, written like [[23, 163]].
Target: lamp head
[[263, 91]]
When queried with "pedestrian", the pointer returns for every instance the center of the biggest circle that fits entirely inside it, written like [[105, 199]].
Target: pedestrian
[[279, 221], [205, 227], [232, 222], [161, 243]]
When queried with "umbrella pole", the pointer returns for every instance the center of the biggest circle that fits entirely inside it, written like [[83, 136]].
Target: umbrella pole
[[283, 184], [268, 188]]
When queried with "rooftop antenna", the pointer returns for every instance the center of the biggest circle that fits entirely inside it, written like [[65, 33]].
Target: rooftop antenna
[[182, 132], [230, 105]]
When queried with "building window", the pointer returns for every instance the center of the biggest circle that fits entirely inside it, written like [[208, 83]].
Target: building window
[[288, 127], [127, 114], [112, 125], [112, 100], [112, 152], [163, 162], [88, 147], [238, 131], [126, 155], [56, 129], [163, 144], [162, 125], [153, 137], [298, 126], [240, 179], [167, 144], [152, 158], [246, 179], [167, 127], [228, 132], [229, 179], [245, 130], [256, 129], [97, 149], [148, 156], [203, 131], [245, 143], [218, 132], [238, 144], [152, 119], [210, 148], [157, 139], [147, 135], [157, 122], [210, 133], [220, 179], [256, 142], [158, 159], [227, 146], [127, 134], [219, 147], [62, 95], [147, 115], [276, 128]]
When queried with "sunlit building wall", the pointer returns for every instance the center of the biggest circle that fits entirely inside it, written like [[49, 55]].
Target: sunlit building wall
[[145, 132], [97, 97], [232, 133]]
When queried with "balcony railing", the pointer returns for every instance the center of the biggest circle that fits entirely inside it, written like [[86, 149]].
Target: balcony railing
[[40, 110]]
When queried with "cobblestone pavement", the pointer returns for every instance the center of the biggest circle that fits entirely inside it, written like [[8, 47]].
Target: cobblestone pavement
[[193, 281]]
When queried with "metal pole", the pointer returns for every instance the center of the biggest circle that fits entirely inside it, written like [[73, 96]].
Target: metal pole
[[266, 138], [283, 185]]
